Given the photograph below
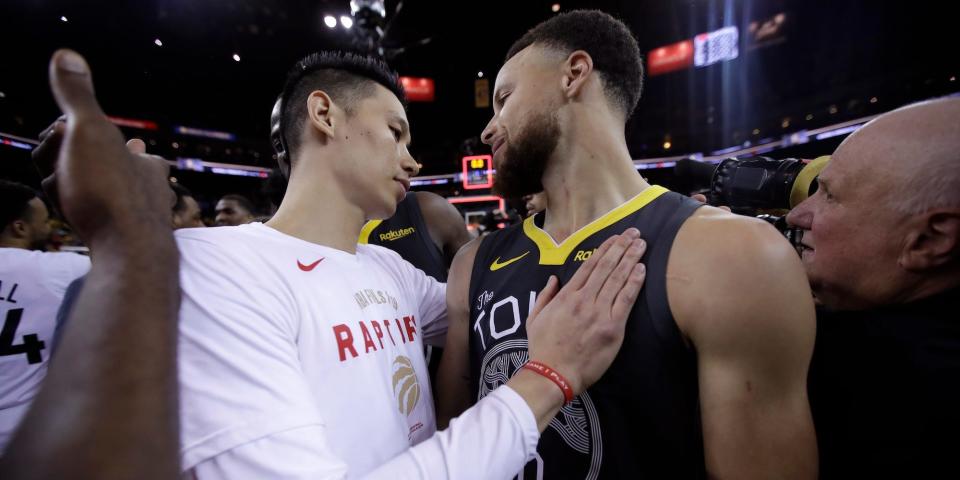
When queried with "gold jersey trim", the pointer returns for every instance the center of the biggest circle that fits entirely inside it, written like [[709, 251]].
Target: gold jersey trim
[[553, 254], [367, 229]]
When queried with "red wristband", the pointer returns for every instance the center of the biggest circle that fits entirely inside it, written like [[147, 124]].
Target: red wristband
[[553, 376]]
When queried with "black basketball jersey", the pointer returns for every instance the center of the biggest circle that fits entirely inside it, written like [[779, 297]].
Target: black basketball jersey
[[406, 233], [642, 418]]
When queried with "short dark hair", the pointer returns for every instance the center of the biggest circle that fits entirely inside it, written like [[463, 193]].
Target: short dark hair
[[181, 193], [244, 202], [14, 202], [347, 77], [608, 41]]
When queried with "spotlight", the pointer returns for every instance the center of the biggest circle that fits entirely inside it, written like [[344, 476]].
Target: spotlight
[[555, 7], [236, 57], [63, 19], [330, 21], [346, 21], [157, 42]]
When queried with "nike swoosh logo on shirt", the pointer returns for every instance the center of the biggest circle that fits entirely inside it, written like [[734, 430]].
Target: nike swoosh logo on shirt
[[307, 268], [496, 265]]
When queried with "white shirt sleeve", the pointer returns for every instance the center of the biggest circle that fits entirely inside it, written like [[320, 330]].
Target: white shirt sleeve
[[237, 334], [492, 440]]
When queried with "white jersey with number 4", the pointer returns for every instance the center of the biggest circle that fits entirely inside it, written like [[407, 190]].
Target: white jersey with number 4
[[32, 285]]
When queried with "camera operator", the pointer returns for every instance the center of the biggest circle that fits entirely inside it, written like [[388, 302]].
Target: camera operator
[[879, 241]]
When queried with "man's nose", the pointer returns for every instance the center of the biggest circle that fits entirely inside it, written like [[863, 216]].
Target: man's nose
[[489, 132], [801, 216]]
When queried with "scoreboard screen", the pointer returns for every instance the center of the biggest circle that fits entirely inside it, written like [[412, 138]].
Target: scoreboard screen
[[477, 172]]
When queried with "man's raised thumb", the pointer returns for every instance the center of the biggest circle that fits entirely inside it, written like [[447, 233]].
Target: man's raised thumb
[[72, 85]]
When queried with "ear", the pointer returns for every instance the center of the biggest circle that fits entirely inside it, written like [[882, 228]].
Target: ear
[[934, 243], [576, 70], [19, 229], [320, 111]]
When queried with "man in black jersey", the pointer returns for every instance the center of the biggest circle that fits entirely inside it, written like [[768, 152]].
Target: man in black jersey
[[881, 238], [710, 380], [426, 230]]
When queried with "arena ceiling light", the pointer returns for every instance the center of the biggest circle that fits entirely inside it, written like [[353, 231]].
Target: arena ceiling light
[[346, 21], [330, 21], [236, 57], [157, 42], [63, 19]]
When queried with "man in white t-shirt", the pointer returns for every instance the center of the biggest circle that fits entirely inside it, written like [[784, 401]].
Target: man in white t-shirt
[[32, 284], [300, 350]]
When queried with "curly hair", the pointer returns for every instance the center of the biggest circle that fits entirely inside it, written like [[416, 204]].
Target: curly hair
[[615, 54]]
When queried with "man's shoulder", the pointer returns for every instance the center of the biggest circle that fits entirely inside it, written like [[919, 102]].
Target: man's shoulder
[[44, 256], [69, 263], [732, 266], [711, 233], [196, 241], [376, 251], [226, 251], [384, 258], [18, 253], [500, 239], [70, 259], [213, 234]]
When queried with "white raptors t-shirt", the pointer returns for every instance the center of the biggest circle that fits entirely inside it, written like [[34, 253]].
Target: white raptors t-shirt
[[32, 285], [278, 334]]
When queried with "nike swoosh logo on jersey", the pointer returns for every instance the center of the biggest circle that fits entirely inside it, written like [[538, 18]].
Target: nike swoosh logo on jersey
[[496, 265], [307, 268]]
